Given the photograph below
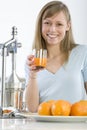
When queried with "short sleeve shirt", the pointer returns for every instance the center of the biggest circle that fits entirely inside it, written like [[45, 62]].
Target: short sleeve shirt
[[68, 81]]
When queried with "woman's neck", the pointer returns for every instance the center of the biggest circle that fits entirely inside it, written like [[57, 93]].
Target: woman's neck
[[53, 51]]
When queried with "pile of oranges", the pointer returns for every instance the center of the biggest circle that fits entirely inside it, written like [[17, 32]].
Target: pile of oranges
[[63, 108]]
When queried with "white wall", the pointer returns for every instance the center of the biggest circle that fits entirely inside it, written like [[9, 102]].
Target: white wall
[[22, 14]]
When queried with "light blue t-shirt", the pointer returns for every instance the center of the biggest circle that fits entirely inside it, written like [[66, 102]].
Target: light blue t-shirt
[[68, 82]]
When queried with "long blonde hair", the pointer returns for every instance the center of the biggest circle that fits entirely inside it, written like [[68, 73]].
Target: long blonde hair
[[49, 10]]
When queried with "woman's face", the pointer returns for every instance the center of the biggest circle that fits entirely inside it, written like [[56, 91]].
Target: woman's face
[[54, 28]]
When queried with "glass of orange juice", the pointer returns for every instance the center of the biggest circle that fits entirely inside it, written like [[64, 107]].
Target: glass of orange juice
[[40, 58]]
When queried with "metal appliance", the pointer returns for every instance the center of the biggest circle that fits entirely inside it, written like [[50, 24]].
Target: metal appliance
[[13, 86]]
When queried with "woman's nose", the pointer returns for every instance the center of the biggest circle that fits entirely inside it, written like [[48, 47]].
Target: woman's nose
[[53, 28]]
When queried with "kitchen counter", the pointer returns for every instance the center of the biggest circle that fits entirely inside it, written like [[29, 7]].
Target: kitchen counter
[[31, 124]]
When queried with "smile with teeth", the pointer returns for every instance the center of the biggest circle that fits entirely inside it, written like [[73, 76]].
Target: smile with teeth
[[52, 35]]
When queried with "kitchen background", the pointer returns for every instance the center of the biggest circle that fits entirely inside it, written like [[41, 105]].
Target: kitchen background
[[22, 14]]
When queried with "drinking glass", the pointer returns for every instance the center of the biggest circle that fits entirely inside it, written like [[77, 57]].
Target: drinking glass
[[40, 58]]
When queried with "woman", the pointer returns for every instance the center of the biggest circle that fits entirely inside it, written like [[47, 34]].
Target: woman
[[65, 76]]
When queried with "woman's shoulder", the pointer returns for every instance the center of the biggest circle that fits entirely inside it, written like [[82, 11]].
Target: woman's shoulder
[[79, 51], [81, 48]]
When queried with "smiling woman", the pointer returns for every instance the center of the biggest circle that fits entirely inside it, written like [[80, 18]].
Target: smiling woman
[[66, 71], [22, 14], [57, 22]]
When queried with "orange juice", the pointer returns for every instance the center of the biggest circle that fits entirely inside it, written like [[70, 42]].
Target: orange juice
[[40, 62], [40, 58]]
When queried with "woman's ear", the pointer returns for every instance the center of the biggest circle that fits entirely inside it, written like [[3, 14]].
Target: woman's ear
[[68, 26]]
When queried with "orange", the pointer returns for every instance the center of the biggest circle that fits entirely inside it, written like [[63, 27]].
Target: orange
[[51, 101], [79, 108], [44, 109], [61, 108]]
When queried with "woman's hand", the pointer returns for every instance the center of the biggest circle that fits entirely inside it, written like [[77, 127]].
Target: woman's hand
[[31, 64], [32, 68]]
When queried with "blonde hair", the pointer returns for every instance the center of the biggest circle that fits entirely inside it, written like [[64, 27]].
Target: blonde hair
[[49, 10]]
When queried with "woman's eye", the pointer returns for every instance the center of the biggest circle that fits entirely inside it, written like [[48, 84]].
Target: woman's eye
[[46, 23], [59, 24]]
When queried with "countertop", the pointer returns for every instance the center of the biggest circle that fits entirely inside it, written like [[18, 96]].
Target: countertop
[[31, 124]]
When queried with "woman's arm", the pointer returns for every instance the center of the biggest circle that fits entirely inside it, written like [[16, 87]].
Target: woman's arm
[[31, 91], [32, 95]]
